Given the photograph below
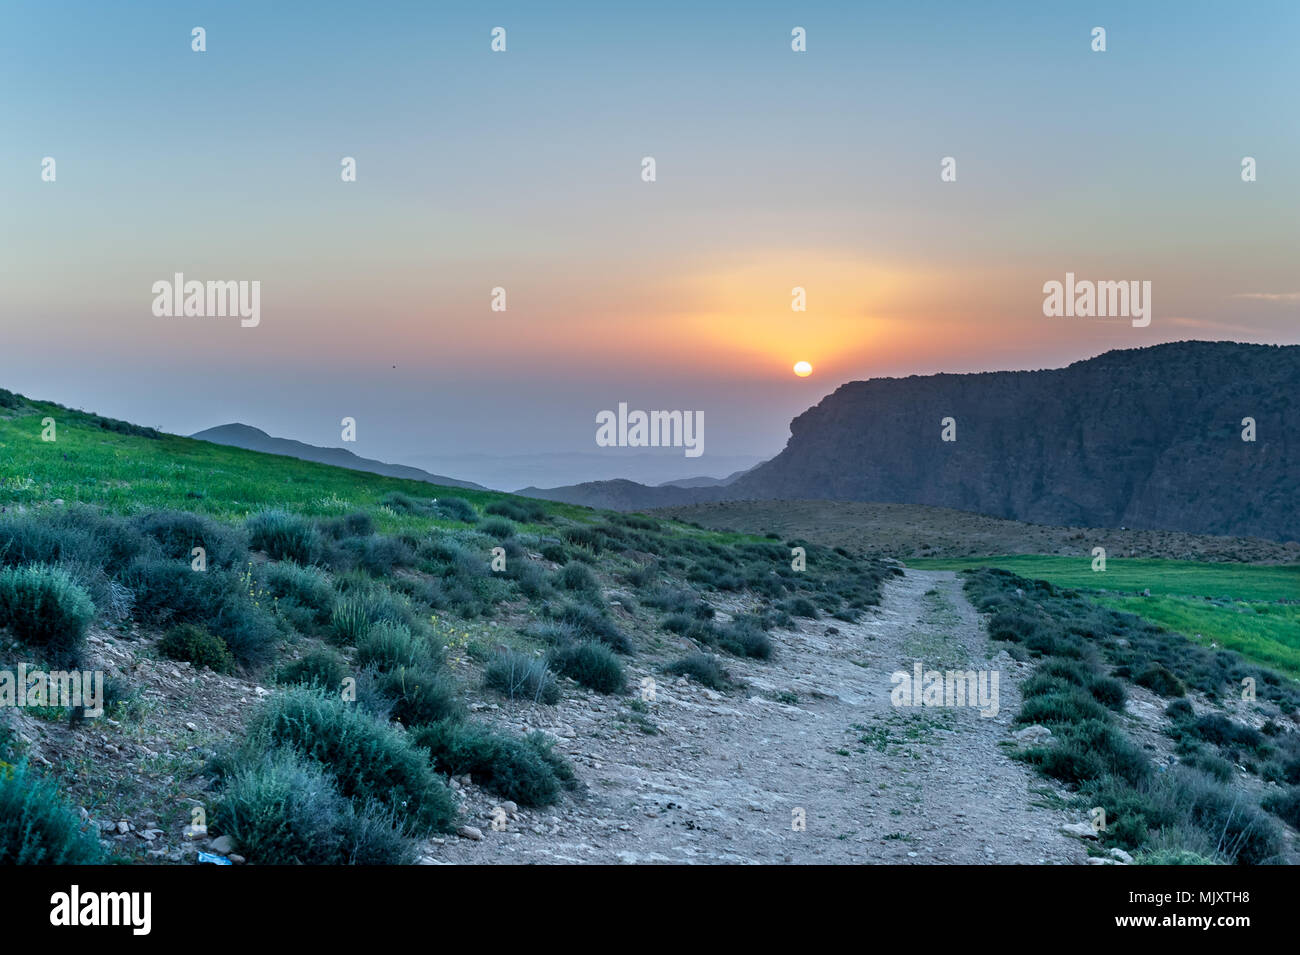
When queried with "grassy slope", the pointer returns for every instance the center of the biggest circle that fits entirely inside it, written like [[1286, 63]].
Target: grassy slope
[[1245, 607], [126, 473]]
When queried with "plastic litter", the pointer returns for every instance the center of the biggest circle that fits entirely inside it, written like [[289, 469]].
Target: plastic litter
[[213, 859]]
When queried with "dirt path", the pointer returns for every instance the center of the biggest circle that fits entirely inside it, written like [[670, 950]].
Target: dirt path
[[725, 775]]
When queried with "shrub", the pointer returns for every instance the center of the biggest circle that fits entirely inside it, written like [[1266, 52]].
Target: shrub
[[591, 664], [179, 532], [702, 668], [594, 624], [78, 533], [285, 536], [420, 694], [744, 638], [456, 509], [497, 527], [553, 633], [521, 677], [363, 607], [523, 512], [294, 587], [323, 669], [678, 623], [46, 609], [356, 524], [576, 576], [1179, 710], [281, 809], [402, 503], [194, 644], [37, 827], [1090, 750], [507, 765], [388, 646], [1285, 805], [349, 619], [1159, 680], [1055, 709], [1108, 691], [371, 760], [1240, 830], [168, 591], [800, 607], [379, 554]]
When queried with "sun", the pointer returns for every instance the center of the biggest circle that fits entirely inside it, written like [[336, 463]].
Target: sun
[[802, 369]]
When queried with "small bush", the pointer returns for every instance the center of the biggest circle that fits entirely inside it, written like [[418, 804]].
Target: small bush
[[800, 607], [421, 695], [1285, 805], [285, 536], [595, 625], [1055, 709], [282, 809], [702, 668], [1179, 710], [591, 664], [305, 594], [46, 609], [1108, 691], [1159, 680], [371, 760], [523, 512], [402, 503], [194, 644], [745, 639], [521, 677], [390, 646], [350, 620], [168, 592], [507, 765], [323, 669], [497, 527], [576, 576], [37, 827], [179, 532], [556, 634], [456, 509]]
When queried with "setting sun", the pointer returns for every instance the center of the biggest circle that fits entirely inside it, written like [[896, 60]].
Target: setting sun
[[802, 369]]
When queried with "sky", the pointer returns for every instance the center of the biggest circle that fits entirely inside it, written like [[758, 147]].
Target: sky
[[522, 169]]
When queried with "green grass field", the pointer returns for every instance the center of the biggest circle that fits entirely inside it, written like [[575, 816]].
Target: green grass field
[[126, 473], [1253, 609]]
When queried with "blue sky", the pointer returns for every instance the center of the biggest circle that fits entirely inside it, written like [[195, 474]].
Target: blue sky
[[521, 170]]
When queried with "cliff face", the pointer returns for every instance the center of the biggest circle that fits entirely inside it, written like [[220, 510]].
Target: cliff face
[[1142, 438]]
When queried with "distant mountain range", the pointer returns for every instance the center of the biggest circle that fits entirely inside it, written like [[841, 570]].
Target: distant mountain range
[[1145, 438], [254, 439], [508, 472]]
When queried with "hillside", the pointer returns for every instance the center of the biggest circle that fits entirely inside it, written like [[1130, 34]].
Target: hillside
[[254, 439], [1141, 438], [1144, 438], [306, 664]]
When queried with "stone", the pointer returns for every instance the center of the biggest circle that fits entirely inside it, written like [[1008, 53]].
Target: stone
[[470, 833], [223, 845], [1080, 830], [1032, 735]]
